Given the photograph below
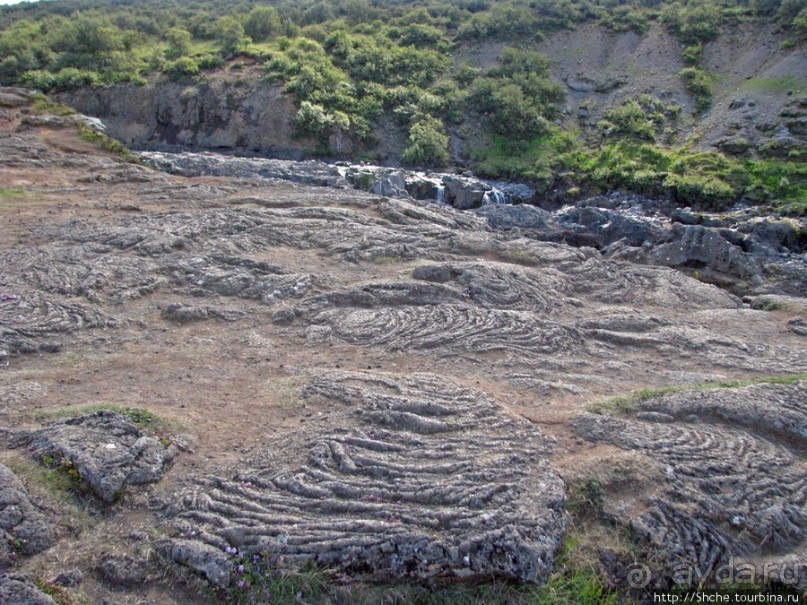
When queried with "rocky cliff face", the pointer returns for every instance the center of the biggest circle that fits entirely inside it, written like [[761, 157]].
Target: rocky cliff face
[[756, 83], [224, 113]]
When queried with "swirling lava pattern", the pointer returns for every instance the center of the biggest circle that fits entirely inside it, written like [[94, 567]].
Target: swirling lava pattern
[[729, 491], [31, 315], [452, 328], [423, 478]]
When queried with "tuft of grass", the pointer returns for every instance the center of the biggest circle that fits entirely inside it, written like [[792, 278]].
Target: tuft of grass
[[628, 403], [11, 198], [773, 85], [519, 256], [287, 391], [59, 594], [585, 494], [44, 105], [108, 143], [53, 484], [138, 416]]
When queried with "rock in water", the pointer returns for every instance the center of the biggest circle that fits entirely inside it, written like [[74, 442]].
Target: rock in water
[[107, 451], [23, 527], [423, 479]]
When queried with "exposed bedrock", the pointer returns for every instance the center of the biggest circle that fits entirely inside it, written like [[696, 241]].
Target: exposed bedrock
[[21, 589], [452, 328], [418, 478], [106, 450], [25, 528], [734, 473], [742, 250], [32, 320]]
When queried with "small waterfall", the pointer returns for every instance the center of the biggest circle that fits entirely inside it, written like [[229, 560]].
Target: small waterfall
[[441, 194], [494, 196]]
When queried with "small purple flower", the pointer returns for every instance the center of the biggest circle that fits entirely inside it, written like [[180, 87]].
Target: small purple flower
[[241, 584], [240, 569]]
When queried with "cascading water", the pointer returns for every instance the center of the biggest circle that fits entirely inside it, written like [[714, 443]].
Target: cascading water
[[440, 187], [494, 196]]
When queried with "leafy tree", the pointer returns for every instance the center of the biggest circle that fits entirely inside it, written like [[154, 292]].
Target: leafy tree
[[263, 22], [87, 36], [230, 33], [179, 42]]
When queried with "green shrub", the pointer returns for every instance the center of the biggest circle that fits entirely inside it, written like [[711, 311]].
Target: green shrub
[[698, 84], [693, 23], [630, 119], [517, 96], [314, 121], [182, 68], [71, 78], [230, 33], [707, 193], [263, 22], [626, 18], [210, 62], [693, 54], [40, 80], [179, 42], [428, 143]]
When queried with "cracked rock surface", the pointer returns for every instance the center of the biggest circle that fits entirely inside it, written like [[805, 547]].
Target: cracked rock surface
[[106, 450], [388, 386], [25, 529]]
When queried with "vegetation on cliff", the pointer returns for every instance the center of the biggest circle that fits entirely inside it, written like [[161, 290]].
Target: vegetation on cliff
[[351, 63]]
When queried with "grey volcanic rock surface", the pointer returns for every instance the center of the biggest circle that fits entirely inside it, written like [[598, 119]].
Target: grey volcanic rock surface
[[383, 385], [107, 450], [20, 589], [24, 527], [742, 251], [733, 467], [416, 478]]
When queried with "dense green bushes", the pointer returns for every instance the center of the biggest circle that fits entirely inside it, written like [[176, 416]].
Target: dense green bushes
[[517, 97], [182, 68], [645, 118], [397, 43], [704, 180]]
